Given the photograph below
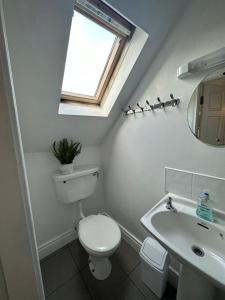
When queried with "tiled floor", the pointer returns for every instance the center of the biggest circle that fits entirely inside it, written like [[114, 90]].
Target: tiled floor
[[66, 276]]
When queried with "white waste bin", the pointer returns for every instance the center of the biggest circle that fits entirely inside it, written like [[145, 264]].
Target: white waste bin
[[154, 265]]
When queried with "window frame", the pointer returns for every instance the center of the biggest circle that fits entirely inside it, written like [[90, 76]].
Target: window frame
[[114, 56]]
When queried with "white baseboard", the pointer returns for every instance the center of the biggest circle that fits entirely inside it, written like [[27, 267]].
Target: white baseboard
[[131, 239], [56, 243]]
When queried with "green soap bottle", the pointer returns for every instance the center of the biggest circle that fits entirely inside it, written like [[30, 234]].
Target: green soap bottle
[[204, 209]]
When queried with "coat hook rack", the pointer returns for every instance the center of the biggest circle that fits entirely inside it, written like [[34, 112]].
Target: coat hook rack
[[138, 108]]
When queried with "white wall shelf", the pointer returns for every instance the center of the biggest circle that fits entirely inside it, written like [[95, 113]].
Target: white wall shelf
[[212, 60]]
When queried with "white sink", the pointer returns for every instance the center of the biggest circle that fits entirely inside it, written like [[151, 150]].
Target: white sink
[[182, 232]]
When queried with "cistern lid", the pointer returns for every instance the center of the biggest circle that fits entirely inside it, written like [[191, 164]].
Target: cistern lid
[[79, 171]]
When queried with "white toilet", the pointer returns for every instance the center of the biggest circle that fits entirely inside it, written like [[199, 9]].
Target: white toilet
[[99, 235]]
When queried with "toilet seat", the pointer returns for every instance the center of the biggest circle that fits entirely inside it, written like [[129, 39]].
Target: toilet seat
[[99, 233]]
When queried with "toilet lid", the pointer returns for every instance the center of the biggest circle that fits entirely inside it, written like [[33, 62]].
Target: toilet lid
[[99, 233]]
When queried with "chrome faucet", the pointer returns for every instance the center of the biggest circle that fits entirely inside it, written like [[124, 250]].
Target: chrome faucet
[[169, 205]]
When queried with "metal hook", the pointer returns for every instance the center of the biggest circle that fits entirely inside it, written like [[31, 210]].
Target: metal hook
[[162, 104], [142, 108], [151, 106], [132, 109], [177, 101]]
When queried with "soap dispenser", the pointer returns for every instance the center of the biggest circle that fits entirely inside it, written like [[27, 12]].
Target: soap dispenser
[[204, 209]]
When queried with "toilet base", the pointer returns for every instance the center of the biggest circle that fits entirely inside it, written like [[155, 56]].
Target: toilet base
[[100, 267]]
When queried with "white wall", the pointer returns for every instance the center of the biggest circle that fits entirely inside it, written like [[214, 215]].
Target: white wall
[[38, 32], [52, 218], [138, 148]]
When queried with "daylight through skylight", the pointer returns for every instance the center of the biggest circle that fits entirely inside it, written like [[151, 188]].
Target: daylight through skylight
[[89, 49]]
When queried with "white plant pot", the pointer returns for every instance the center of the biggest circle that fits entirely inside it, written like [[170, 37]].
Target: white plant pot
[[66, 169]]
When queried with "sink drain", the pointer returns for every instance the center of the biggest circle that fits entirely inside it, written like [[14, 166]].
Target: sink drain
[[198, 251]]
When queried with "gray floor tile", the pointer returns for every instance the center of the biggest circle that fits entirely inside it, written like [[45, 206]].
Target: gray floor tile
[[126, 257], [101, 290], [57, 269], [126, 290], [219, 294], [63, 281], [135, 276], [80, 256], [74, 289], [53, 254]]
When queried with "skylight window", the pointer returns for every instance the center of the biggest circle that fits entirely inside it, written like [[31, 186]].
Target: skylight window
[[97, 39], [89, 49]]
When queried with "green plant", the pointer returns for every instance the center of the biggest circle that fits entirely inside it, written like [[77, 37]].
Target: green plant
[[65, 151]]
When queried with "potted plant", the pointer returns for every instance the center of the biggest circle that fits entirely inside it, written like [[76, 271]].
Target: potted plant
[[65, 151]]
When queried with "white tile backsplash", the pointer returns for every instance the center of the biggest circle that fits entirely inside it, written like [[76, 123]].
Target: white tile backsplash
[[178, 182], [215, 187], [190, 185]]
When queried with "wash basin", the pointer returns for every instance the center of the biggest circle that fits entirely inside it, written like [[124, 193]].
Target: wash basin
[[196, 243]]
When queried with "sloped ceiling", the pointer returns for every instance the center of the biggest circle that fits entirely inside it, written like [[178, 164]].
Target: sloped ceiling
[[37, 34]]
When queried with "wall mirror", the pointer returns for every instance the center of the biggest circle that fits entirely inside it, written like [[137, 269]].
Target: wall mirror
[[206, 109]]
